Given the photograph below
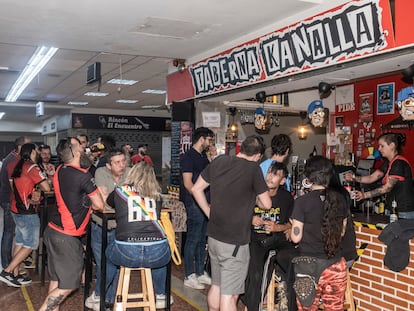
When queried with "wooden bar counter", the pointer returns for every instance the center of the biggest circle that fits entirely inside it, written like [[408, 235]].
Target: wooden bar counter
[[375, 286]]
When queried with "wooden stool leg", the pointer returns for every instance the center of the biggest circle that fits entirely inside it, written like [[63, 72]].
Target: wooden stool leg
[[349, 297], [271, 292], [150, 295]]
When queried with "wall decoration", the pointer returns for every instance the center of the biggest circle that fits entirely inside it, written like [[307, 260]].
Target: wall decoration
[[366, 107], [385, 98], [339, 121]]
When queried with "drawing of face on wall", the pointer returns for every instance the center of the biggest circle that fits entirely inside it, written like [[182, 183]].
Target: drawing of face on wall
[[261, 121], [317, 113], [405, 103]]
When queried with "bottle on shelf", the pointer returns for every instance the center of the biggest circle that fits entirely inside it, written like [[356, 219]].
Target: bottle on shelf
[[119, 306], [393, 216]]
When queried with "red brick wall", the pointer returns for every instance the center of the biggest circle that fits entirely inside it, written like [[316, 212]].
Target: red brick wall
[[375, 287]]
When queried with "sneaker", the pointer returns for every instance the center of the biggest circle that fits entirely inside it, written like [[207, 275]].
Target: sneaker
[[9, 279], [191, 281], [204, 279], [93, 301], [161, 302], [23, 279]]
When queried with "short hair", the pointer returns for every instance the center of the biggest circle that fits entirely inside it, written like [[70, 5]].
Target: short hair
[[42, 147], [83, 135], [280, 144], [202, 132], [64, 149], [278, 166], [19, 141], [253, 145], [108, 141], [111, 153]]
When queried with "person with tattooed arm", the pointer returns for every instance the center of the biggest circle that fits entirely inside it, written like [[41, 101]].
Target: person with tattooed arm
[[395, 174], [76, 196]]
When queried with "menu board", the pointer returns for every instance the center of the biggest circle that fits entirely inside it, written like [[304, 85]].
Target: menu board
[[181, 140]]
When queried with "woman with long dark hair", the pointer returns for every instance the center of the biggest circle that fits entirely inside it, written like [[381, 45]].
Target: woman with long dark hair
[[318, 224], [395, 174]]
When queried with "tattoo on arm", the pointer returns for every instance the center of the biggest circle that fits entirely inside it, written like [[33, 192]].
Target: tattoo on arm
[[296, 231], [53, 302]]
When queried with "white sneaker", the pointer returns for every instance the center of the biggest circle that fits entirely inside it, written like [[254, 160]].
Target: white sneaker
[[204, 279], [192, 281], [161, 302], [92, 302]]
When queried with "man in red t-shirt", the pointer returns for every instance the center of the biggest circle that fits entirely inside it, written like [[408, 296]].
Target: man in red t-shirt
[[25, 199], [142, 155]]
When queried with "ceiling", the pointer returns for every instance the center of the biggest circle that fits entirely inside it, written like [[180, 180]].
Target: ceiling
[[139, 40]]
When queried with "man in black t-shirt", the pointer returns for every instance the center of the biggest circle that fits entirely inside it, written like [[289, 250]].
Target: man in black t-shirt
[[268, 228], [236, 183]]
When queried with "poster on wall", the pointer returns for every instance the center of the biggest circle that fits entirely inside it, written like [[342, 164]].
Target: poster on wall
[[366, 107], [385, 98]]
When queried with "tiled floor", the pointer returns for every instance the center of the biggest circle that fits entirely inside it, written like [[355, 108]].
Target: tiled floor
[[30, 297]]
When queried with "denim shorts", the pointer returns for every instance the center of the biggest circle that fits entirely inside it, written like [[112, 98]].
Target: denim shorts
[[27, 230]]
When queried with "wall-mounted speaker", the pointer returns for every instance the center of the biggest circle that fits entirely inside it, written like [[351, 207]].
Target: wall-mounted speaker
[[94, 73]]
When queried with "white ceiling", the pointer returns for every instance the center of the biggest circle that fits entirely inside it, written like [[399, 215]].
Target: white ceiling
[[139, 39]]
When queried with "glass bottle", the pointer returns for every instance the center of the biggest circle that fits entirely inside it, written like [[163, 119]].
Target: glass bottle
[[394, 216]]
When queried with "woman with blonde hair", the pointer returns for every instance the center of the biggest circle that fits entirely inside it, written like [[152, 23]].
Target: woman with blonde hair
[[140, 240]]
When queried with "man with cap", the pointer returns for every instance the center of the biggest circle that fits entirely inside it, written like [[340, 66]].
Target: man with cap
[[405, 103], [142, 155], [316, 113]]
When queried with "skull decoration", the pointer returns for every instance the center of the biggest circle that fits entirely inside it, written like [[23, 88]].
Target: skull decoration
[[317, 114], [261, 121], [405, 103]]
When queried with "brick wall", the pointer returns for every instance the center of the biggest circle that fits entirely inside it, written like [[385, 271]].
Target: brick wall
[[375, 287]]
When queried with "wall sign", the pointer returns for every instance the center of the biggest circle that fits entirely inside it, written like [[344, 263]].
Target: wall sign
[[385, 98], [116, 122], [349, 31]]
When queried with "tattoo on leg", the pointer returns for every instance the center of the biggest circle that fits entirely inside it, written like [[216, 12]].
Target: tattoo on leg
[[53, 302], [296, 230]]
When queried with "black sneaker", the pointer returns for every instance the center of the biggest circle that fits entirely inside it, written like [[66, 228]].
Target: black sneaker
[[23, 279], [9, 279]]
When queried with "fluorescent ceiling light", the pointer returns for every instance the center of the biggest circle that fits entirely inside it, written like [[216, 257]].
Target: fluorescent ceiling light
[[36, 63], [127, 101], [122, 81], [4, 68], [96, 94], [151, 106], [150, 91], [78, 103], [2, 114]]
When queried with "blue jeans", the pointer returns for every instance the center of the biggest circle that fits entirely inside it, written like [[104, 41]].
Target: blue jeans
[[154, 255], [196, 239], [111, 269], [8, 235]]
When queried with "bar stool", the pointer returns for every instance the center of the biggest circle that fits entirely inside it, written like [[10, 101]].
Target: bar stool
[[144, 299]]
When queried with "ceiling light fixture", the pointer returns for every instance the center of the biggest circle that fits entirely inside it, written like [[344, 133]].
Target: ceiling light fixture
[[78, 103], [122, 81], [150, 91], [151, 106], [96, 94], [36, 63], [2, 115], [127, 101]]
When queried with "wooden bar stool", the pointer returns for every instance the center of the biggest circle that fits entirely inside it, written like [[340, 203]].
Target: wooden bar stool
[[270, 293], [144, 299]]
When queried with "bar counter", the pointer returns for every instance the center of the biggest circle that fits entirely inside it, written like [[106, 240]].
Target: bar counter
[[375, 286]]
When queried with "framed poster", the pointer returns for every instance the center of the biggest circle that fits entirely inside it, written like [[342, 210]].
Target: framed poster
[[385, 98], [366, 107], [339, 121]]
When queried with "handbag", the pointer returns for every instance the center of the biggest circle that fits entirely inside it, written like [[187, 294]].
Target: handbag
[[308, 270]]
